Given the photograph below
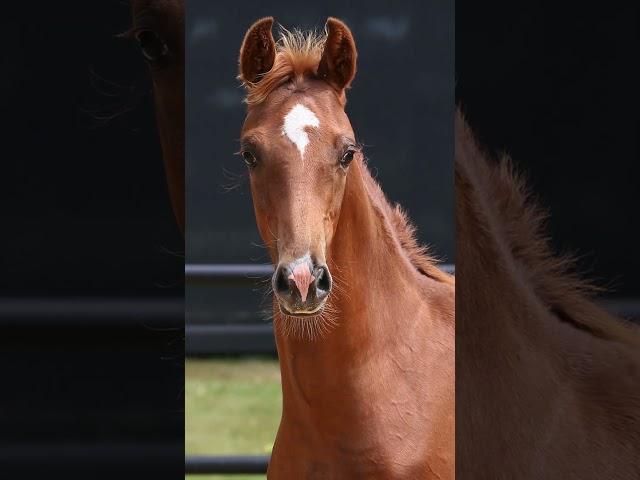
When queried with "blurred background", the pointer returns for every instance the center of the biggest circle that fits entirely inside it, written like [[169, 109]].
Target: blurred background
[[552, 85], [91, 262], [401, 108]]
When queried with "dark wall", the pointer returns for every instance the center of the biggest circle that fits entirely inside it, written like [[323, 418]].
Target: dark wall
[[83, 201], [91, 388], [400, 105], [555, 86]]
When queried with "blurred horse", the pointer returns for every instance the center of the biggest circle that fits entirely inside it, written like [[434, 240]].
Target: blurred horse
[[548, 384], [158, 27], [364, 319]]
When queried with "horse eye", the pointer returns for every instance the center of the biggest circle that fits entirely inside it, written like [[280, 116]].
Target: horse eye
[[152, 47], [347, 158], [249, 158]]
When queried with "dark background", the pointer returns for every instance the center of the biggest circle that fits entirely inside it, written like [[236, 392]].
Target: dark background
[[91, 261], [400, 106], [555, 85], [84, 203]]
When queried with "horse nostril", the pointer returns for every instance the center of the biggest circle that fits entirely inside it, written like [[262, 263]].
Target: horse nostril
[[281, 283], [323, 279]]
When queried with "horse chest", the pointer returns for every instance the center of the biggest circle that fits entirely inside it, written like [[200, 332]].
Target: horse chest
[[331, 462], [386, 440], [381, 419]]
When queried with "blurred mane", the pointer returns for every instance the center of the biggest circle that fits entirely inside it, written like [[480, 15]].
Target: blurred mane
[[519, 223]]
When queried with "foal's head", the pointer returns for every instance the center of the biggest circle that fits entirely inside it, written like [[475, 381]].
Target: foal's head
[[298, 143]]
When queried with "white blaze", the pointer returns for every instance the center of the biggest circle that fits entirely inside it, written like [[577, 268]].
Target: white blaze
[[298, 118]]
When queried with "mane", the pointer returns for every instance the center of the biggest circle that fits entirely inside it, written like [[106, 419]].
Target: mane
[[298, 54], [404, 231], [522, 227], [419, 255]]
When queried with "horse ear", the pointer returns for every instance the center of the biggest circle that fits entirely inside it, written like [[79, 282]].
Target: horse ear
[[338, 63], [258, 51]]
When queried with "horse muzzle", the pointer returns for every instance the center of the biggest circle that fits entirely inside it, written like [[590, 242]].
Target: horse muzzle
[[301, 287]]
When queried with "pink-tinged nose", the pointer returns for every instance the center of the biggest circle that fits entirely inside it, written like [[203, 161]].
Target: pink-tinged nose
[[302, 277], [301, 286]]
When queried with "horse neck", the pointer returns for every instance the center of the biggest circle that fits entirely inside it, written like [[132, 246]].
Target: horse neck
[[502, 249], [502, 345], [371, 268], [498, 302], [519, 328], [522, 340], [375, 285]]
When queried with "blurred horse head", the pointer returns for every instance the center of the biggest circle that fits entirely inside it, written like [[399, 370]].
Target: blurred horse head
[[158, 28]]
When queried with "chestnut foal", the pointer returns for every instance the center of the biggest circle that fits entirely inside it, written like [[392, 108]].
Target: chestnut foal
[[364, 319]]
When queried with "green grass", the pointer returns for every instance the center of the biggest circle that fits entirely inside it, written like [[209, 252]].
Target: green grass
[[232, 407]]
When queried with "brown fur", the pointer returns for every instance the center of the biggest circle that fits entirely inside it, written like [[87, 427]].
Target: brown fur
[[338, 62], [259, 51], [546, 381], [521, 223]]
